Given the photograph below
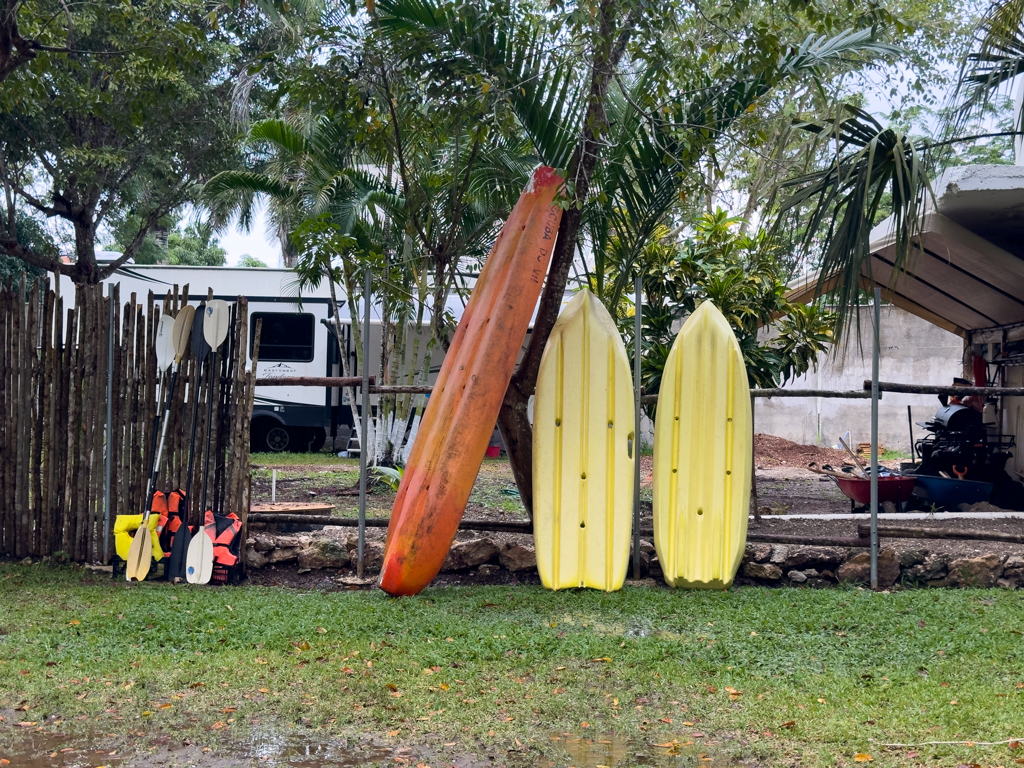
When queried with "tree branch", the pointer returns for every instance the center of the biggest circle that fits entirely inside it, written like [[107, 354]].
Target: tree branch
[[11, 247]]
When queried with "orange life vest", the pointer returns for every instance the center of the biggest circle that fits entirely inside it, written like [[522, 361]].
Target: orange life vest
[[225, 530]]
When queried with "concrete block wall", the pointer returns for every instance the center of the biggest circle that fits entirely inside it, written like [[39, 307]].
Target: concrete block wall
[[913, 351]]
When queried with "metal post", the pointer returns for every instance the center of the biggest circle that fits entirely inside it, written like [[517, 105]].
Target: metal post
[[108, 470], [910, 421], [363, 447], [874, 439], [637, 322]]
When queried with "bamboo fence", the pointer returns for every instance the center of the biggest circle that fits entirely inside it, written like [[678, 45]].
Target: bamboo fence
[[57, 368]]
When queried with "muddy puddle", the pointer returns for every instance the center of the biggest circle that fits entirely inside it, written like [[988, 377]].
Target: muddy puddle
[[37, 749], [613, 751]]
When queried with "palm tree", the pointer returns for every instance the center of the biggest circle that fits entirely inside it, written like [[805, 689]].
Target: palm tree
[[878, 168], [624, 154]]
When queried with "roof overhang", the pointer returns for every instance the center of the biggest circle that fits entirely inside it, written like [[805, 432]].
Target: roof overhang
[[952, 277]]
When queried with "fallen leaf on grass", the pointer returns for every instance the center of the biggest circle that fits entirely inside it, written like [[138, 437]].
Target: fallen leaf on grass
[[863, 757], [393, 733], [165, 706], [666, 720], [391, 687], [603, 658], [788, 724], [230, 709], [218, 725], [321, 630], [4, 761], [197, 685], [26, 723], [445, 686]]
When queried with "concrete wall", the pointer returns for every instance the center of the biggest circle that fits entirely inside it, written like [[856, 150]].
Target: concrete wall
[[913, 352]]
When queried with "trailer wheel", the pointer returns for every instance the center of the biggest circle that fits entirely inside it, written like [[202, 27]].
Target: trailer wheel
[[270, 436], [278, 438]]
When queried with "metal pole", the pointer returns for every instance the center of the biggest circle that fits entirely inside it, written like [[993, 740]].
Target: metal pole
[[874, 439], [910, 421], [363, 447], [108, 470], [637, 321]]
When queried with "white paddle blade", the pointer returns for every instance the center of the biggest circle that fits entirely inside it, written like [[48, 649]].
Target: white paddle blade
[[164, 342], [140, 555], [215, 324], [199, 562], [182, 329]]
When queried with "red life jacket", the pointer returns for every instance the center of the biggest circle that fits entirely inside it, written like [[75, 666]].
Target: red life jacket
[[225, 530], [175, 505]]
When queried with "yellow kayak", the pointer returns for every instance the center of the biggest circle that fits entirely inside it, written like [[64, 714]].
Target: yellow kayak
[[582, 460], [702, 455]]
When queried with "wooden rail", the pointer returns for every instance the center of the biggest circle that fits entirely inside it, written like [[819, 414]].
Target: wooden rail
[[906, 532], [527, 528], [925, 389]]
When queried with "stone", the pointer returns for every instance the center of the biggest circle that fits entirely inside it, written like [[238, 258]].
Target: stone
[[466, 555], [254, 558], [286, 542], [797, 577], [933, 567], [779, 554], [857, 570], [488, 570], [827, 575], [811, 573], [762, 571], [646, 546], [820, 556], [516, 557], [1013, 567], [654, 569], [645, 565], [975, 571], [263, 542], [757, 552], [352, 542], [983, 506], [1005, 583], [938, 583], [911, 558], [324, 553], [373, 556], [283, 555]]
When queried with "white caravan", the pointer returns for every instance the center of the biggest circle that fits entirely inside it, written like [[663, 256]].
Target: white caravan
[[297, 340]]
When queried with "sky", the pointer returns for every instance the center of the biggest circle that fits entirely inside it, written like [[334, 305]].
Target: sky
[[255, 242]]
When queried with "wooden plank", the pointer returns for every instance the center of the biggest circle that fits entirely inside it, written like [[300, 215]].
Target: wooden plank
[[293, 508], [930, 532]]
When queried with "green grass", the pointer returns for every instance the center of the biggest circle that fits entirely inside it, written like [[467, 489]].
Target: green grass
[[822, 674], [277, 460], [892, 455]]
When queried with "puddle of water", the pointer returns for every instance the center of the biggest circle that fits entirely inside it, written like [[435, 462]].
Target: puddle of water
[[612, 751], [277, 749], [54, 750]]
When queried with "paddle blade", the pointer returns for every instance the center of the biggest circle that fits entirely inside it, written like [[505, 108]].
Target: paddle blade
[[199, 346], [215, 324], [179, 551], [182, 328], [140, 555], [164, 342], [199, 563]]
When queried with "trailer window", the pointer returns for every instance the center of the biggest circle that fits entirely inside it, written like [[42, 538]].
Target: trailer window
[[287, 337]]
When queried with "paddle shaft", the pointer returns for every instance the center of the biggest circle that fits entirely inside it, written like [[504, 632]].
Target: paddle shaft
[[192, 443], [163, 429], [150, 484], [209, 431]]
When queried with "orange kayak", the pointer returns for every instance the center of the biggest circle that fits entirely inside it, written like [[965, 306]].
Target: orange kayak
[[467, 395]]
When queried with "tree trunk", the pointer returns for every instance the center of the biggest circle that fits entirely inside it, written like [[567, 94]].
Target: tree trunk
[[513, 420]]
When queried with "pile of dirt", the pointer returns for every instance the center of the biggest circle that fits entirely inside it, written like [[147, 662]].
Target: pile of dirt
[[772, 451]]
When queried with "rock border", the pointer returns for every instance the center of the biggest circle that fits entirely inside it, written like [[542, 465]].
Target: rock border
[[762, 564]]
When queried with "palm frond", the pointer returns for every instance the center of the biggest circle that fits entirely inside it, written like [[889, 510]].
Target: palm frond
[[846, 199]]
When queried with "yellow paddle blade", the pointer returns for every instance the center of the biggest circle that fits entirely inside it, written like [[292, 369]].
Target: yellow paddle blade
[[140, 555], [182, 329]]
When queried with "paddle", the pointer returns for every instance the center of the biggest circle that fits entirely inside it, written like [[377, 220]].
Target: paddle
[[199, 565], [140, 554], [182, 329], [183, 538]]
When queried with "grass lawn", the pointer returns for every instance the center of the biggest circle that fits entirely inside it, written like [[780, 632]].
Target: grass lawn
[[777, 677]]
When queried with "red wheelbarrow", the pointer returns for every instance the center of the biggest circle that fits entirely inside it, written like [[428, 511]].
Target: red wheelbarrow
[[894, 488]]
